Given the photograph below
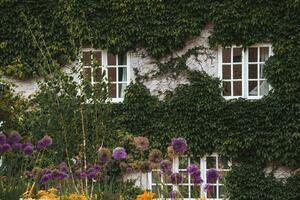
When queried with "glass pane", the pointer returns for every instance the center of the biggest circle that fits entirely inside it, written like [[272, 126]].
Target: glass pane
[[237, 88], [253, 54], [184, 190], [185, 177], [97, 74], [222, 176], [237, 71], [237, 54], [226, 55], [97, 58], [112, 91], [222, 191], [156, 189], [86, 58], [264, 88], [261, 71], [253, 88], [211, 162], [87, 74], [122, 73], [223, 163], [156, 177], [122, 59], [112, 74], [252, 71], [122, 87], [212, 192], [111, 59], [264, 54], [183, 163], [195, 192], [226, 72], [226, 88]]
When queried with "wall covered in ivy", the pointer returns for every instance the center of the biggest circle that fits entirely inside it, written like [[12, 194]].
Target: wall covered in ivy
[[252, 133]]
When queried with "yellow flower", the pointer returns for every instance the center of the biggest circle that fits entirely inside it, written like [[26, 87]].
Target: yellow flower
[[76, 197], [47, 195], [145, 196]]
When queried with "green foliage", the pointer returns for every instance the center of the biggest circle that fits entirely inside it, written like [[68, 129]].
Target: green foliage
[[249, 182]]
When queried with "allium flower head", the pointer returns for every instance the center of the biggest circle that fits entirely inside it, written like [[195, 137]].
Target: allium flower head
[[212, 175], [155, 156], [63, 167], [17, 146], [166, 166], [208, 188], [14, 137], [28, 149], [192, 169], [145, 166], [104, 155], [44, 142], [141, 143], [179, 145], [6, 147], [176, 178], [119, 153], [2, 138]]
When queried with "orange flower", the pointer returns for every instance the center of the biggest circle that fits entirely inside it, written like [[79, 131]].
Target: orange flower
[[145, 196]]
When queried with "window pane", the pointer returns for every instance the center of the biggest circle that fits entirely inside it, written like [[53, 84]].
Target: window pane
[[222, 177], [97, 58], [184, 190], [112, 74], [195, 191], [237, 54], [122, 73], [226, 55], [252, 54], [183, 163], [122, 87], [112, 91], [87, 74], [261, 71], [156, 177], [211, 162], [264, 54], [237, 88], [226, 88], [97, 74], [264, 88], [122, 59], [253, 88], [223, 163], [212, 192], [252, 71], [237, 71], [226, 72], [86, 58], [222, 193], [111, 59]]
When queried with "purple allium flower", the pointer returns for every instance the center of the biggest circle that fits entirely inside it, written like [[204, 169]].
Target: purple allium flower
[[208, 188], [141, 143], [104, 155], [62, 175], [155, 156], [179, 145], [14, 137], [44, 142], [196, 178], [77, 174], [91, 173], [17, 146], [129, 170], [2, 138], [212, 175], [6, 147], [174, 195], [97, 168], [176, 178], [45, 178], [28, 150], [166, 166], [192, 169], [63, 167], [119, 153]]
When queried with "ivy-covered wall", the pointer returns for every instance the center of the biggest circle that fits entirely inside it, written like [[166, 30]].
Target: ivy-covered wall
[[252, 133]]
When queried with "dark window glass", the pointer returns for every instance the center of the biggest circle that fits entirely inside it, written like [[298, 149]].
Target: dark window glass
[[237, 54], [252, 71], [237, 71], [226, 55], [112, 74], [226, 72], [122, 59], [86, 58], [226, 88], [252, 54], [111, 59], [253, 88], [237, 88], [264, 54], [98, 58], [112, 90]]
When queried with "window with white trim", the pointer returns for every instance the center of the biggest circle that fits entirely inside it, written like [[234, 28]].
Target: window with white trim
[[161, 185], [242, 71], [98, 64]]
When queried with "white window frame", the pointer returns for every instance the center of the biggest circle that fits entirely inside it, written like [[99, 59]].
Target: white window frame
[[245, 79], [203, 169], [105, 67]]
